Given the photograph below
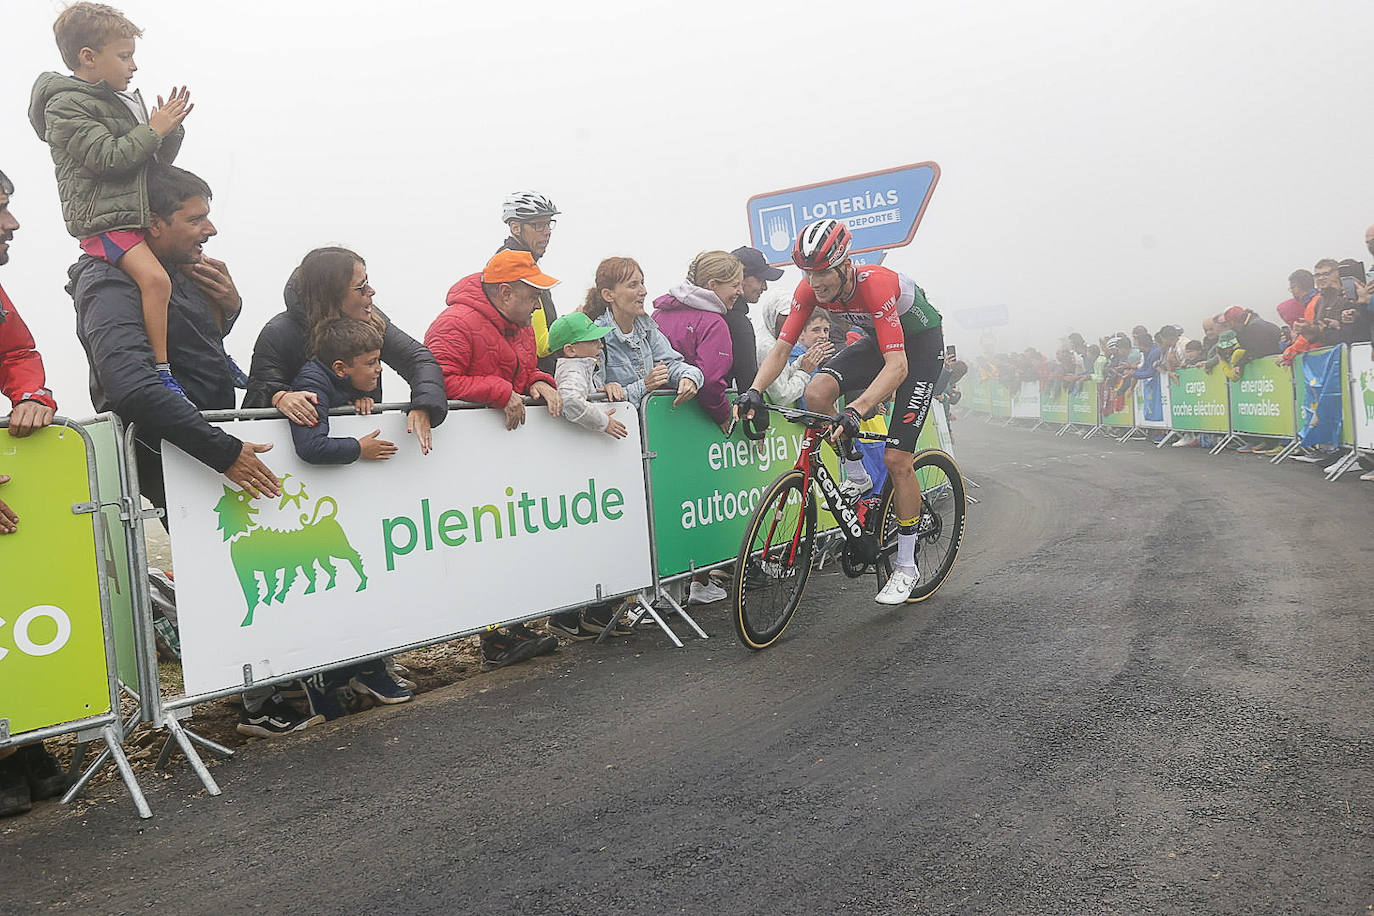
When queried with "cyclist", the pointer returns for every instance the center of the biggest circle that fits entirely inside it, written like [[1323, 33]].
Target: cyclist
[[901, 351]]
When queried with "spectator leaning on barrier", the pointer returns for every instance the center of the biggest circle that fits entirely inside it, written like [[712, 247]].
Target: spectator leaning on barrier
[[485, 346], [692, 317], [28, 773], [346, 367], [332, 283], [1258, 338], [204, 306], [529, 216], [638, 356], [580, 344], [757, 273]]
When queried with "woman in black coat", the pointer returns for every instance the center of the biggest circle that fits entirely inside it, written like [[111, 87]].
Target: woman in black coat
[[331, 283]]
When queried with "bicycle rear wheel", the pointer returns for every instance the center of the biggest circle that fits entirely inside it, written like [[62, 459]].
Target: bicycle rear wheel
[[774, 561], [941, 529]]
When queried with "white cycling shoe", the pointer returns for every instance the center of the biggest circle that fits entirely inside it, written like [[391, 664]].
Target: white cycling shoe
[[899, 587], [855, 487]]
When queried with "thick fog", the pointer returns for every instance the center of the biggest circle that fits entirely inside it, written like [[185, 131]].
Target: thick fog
[[1103, 164]]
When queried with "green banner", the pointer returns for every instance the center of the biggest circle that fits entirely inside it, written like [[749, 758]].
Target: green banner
[[1263, 402], [1054, 403], [976, 393], [705, 486], [1126, 415], [1198, 401], [1083, 403], [52, 642], [999, 399]]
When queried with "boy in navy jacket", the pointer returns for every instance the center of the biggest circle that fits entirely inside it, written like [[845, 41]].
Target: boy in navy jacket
[[347, 365]]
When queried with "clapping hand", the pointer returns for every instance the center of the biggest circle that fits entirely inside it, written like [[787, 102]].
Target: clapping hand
[[168, 114]]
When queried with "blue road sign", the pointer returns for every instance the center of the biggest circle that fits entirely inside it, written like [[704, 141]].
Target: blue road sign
[[868, 257], [882, 210]]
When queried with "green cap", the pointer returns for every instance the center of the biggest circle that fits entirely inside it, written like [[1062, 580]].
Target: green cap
[[1227, 340], [573, 328]]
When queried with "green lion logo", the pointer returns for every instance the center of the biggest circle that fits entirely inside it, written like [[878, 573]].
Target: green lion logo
[[281, 555], [1367, 390]]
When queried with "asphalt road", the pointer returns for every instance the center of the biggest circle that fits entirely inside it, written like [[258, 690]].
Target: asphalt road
[[1147, 688]]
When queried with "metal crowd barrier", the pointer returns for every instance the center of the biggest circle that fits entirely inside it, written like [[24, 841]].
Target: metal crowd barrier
[[1268, 402], [69, 683]]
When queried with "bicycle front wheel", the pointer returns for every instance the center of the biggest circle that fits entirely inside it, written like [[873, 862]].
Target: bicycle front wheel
[[774, 561], [941, 529]]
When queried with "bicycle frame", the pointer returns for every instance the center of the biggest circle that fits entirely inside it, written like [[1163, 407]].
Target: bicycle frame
[[815, 470]]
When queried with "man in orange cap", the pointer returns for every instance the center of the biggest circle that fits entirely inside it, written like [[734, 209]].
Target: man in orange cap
[[485, 346]]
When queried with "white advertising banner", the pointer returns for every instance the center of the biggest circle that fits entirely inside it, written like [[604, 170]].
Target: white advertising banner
[[1362, 394], [1152, 404], [358, 559], [1025, 404]]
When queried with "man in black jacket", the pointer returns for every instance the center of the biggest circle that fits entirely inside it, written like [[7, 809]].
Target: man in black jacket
[[203, 308], [1257, 337], [757, 273]]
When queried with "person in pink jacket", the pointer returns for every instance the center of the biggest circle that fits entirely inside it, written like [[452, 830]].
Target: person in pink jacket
[[692, 316]]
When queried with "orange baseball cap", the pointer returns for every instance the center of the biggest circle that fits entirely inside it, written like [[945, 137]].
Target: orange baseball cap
[[508, 266]]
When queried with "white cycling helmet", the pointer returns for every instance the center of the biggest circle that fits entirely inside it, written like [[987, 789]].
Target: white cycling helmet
[[527, 205]]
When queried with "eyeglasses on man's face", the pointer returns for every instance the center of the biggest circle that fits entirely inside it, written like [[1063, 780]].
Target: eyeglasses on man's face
[[542, 225]]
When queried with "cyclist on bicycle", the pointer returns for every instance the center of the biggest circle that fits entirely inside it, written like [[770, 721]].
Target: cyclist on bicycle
[[901, 351]]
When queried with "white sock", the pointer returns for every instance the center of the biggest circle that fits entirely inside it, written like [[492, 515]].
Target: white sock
[[855, 470], [906, 553]]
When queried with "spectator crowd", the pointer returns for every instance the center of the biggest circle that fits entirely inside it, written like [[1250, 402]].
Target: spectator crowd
[[1326, 306]]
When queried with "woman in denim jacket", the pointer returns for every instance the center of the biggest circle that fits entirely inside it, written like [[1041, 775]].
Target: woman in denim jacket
[[638, 356]]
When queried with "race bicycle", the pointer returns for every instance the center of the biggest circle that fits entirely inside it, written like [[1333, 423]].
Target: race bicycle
[[776, 554]]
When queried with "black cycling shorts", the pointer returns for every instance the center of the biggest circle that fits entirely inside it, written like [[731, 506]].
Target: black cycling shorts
[[857, 365]]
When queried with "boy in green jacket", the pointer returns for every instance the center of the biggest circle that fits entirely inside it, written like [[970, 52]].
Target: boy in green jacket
[[103, 140]]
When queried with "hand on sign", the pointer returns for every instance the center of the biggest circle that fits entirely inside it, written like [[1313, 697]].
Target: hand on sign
[[417, 424], [515, 410], [251, 475], [686, 390], [9, 522], [374, 449], [29, 416], [614, 428]]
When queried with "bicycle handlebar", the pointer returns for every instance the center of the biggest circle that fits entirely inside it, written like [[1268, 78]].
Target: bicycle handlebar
[[756, 428]]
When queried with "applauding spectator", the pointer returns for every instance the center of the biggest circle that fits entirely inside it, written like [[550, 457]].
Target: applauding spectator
[[790, 385]]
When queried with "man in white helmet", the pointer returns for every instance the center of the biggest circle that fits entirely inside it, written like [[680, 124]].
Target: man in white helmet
[[530, 217]]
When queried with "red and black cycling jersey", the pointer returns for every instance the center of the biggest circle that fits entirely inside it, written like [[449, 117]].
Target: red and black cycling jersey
[[885, 303]]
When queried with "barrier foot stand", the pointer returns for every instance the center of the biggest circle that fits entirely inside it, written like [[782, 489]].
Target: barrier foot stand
[[114, 750], [647, 608], [682, 612], [1288, 449], [1222, 443], [1165, 441], [1095, 431], [969, 497], [1343, 465], [180, 735]]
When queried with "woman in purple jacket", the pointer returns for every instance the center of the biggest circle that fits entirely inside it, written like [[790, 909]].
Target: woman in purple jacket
[[692, 316]]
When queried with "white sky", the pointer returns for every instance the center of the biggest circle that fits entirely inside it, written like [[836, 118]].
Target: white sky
[[1103, 163]]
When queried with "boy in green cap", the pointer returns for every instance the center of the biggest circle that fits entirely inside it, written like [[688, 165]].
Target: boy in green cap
[[578, 343]]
